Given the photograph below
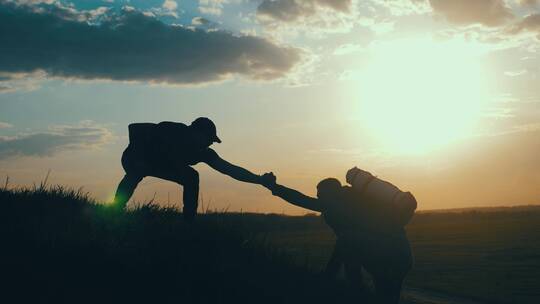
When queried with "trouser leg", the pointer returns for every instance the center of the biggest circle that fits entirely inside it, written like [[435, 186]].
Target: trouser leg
[[355, 280], [353, 270], [388, 288], [189, 179], [125, 190]]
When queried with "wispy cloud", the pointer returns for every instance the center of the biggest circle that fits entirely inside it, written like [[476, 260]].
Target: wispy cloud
[[13, 82], [293, 10], [86, 135], [530, 23], [465, 12], [212, 7], [311, 16], [4, 125]]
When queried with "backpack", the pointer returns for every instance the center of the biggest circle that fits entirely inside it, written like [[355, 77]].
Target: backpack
[[397, 206], [142, 135]]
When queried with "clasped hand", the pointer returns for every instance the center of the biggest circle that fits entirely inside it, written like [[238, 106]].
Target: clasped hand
[[268, 180]]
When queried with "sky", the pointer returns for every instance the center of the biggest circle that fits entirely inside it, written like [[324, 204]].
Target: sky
[[439, 97]]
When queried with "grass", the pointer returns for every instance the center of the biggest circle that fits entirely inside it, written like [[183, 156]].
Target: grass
[[59, 245]]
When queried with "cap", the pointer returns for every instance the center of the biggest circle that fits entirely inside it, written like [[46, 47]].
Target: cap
[[206, 126]]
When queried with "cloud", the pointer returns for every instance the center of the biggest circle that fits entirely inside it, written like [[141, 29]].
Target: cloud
[[294, 10], [200, 21], [35, 1], [509, 116], [211, 7], [530, 23], [56, 139], [314, 18], [403, 7], [465, 12], [528, 2], [13, 82], [515, 73], [5, 125], [168, 8], [170, 5], [130, 46]]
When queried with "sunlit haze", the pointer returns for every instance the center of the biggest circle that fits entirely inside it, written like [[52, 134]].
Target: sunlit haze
[[416, 94]]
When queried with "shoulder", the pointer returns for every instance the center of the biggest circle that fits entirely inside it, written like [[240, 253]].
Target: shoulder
[[208, 155]]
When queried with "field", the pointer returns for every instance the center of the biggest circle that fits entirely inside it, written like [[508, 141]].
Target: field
[[59, 246], [486, 255]]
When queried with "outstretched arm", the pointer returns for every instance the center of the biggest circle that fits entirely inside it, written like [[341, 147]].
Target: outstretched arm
[[236, 172], [295, 197]]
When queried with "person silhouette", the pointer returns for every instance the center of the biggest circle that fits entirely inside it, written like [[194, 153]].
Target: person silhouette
[[167, 150], [363, 238]]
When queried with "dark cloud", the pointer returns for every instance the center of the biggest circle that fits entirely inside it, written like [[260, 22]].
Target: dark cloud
[[55, 140], [531, 23], [292, 10], [131, 46], [464, 12]]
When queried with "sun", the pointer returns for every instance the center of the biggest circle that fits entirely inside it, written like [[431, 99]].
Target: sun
[[416, 95]]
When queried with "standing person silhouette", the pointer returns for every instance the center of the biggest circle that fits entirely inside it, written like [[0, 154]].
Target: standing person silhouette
[[167, 150]]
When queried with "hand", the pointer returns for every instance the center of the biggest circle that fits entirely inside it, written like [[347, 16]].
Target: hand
[[268, 180]]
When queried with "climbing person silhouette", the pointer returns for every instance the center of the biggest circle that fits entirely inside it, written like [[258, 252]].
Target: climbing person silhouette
[[369, 234], [167, 150]]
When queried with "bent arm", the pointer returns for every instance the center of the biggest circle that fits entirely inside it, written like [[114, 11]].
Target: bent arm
[[296, 198], [236, 172]]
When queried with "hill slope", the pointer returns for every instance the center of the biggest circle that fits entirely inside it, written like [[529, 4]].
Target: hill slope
[[59, 246]]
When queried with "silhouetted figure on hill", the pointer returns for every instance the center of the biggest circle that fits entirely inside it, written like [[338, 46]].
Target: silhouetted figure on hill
[[368, 233], [167, 150]]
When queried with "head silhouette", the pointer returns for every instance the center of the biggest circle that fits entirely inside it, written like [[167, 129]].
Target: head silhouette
[[328, 189], [205, 130]]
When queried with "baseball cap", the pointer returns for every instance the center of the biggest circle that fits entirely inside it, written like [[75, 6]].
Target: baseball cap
[[206, 126]]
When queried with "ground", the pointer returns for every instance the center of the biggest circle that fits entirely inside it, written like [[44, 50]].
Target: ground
[[59, 245]]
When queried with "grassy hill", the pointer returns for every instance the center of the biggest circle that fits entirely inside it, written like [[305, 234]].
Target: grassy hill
[[58, 245]]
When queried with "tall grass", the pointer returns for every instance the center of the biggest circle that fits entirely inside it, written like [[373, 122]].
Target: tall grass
[[59, 245]]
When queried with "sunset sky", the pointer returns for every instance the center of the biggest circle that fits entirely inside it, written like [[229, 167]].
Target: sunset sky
[[440, 97]]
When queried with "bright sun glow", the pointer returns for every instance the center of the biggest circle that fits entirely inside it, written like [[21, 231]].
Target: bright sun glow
[[418, 95]]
